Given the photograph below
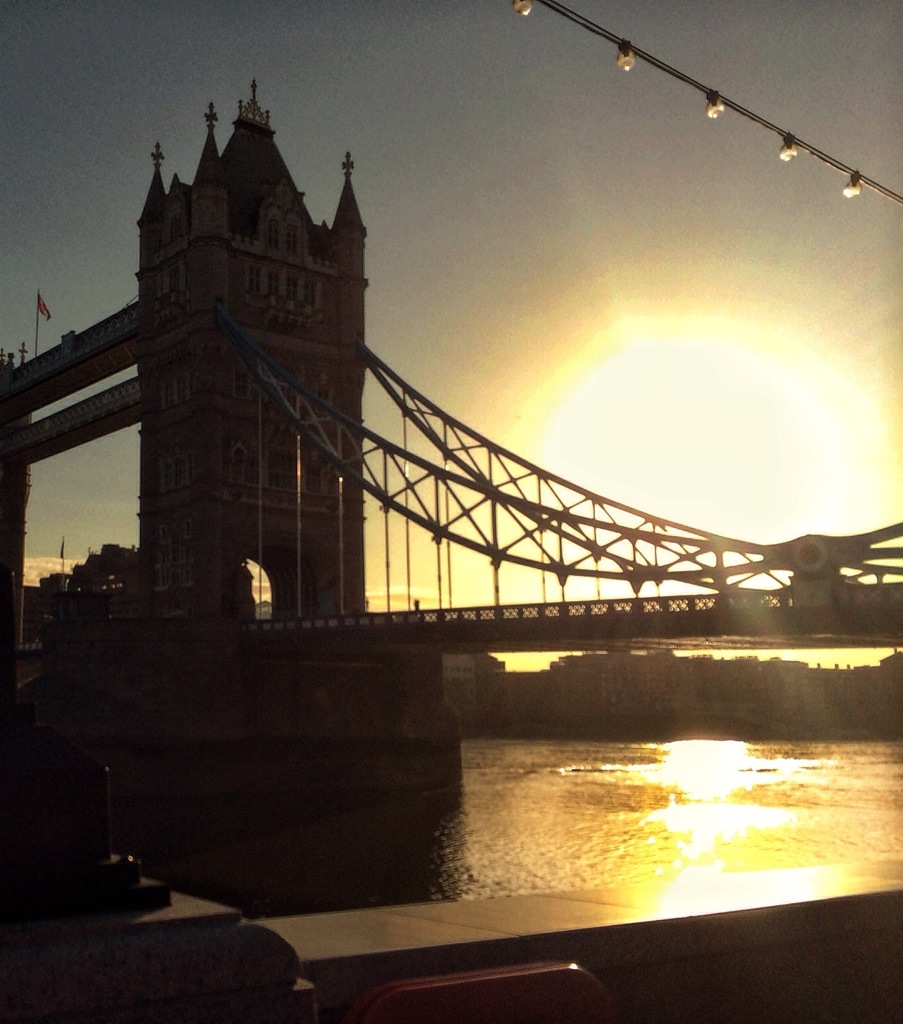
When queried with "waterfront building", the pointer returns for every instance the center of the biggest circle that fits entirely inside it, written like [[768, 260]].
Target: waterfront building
[[656, 695]]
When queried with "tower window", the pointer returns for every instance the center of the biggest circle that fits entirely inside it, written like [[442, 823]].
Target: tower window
[[291, 287], [273, 233], [179, 388], [163, 563], [254, 279], [242, 467], [272, 282], [310, 293], [176, 471], [281, 469], [184, 386], [241, 383], [291, 239], [175, 556]]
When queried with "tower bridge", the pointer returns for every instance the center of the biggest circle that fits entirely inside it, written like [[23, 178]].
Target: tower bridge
[[248, 342]]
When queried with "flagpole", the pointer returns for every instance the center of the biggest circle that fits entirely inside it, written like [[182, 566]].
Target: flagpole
[[37, 313]]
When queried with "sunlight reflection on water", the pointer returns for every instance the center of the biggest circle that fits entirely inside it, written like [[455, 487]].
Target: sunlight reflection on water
[[702, 776], [547, 816], [701, 827]]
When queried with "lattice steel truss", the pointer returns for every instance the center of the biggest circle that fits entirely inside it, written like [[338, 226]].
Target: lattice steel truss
[[475, 493]]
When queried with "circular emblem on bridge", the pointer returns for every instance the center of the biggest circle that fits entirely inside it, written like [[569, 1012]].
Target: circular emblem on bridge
[[810, 554]]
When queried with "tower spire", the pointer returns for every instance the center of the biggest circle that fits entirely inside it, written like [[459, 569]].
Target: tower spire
[[251, 112], [156, 194], [209, 166], [347, 214]]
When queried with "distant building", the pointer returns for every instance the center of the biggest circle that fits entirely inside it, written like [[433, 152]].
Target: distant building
[[468, 679], [115, 572], [38, 605], [656, 695]]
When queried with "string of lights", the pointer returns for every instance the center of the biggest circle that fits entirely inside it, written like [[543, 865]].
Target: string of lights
[[716, 104]]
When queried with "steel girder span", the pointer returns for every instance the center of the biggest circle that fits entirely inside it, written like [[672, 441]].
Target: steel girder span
[[472, 492]]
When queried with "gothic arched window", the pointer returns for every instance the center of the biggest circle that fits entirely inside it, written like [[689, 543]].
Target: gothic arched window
[[242, 466]]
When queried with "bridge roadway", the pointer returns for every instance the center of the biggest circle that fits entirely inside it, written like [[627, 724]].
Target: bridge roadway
[[861, 617]]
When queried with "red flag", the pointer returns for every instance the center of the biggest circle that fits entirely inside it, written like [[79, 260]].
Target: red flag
[[42, 308]]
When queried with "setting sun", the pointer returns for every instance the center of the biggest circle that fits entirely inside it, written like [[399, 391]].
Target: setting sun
[[679, 421]]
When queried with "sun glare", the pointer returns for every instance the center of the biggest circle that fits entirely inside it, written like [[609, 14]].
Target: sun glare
[[712, 815], [683, 424]]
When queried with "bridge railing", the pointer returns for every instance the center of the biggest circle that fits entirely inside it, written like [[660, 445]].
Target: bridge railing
[[535, 612], [745, 601]]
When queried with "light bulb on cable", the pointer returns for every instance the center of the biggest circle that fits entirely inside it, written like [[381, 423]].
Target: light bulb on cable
[[522, 6], [788, 150], [715, 104], [626, 56], [854, 185]]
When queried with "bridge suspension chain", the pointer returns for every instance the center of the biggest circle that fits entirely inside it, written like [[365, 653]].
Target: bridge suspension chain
[[477, 494], [563, 507], [862, 557]]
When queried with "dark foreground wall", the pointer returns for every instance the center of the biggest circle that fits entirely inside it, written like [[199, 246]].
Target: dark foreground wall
[[254, 777]]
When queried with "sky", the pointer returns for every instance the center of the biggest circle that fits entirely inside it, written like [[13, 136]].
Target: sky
[[572, 259]]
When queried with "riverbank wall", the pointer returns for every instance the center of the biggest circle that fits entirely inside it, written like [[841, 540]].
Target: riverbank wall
[[808, 944]]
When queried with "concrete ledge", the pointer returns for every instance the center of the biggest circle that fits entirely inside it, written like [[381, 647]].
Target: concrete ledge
[[813, 944], [191, 962]]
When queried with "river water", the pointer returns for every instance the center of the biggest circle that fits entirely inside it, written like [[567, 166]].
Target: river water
[[551, 816]]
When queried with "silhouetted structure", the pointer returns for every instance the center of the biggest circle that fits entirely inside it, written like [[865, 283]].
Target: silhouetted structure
[[213, 461], [658, 696]]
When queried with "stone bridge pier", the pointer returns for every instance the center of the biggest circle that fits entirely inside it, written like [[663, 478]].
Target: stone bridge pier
[[243, 769]]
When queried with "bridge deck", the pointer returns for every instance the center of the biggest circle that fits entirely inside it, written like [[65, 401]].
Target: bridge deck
[[871, 617]]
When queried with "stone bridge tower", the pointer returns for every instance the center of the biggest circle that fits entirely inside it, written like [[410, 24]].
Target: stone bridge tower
[[219, 467]]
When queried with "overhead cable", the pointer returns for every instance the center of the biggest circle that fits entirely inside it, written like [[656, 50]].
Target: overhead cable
[[717, 103]]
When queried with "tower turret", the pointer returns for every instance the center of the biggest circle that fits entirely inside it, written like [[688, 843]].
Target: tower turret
[[150, 223], [208, 256], [347, 236], [348, 228]]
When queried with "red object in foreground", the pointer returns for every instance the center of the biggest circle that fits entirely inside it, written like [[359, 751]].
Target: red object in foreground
[[542, 993]]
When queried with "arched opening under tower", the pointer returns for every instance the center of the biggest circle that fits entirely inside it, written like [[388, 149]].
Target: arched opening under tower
[[254, 597], [283, 587]]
